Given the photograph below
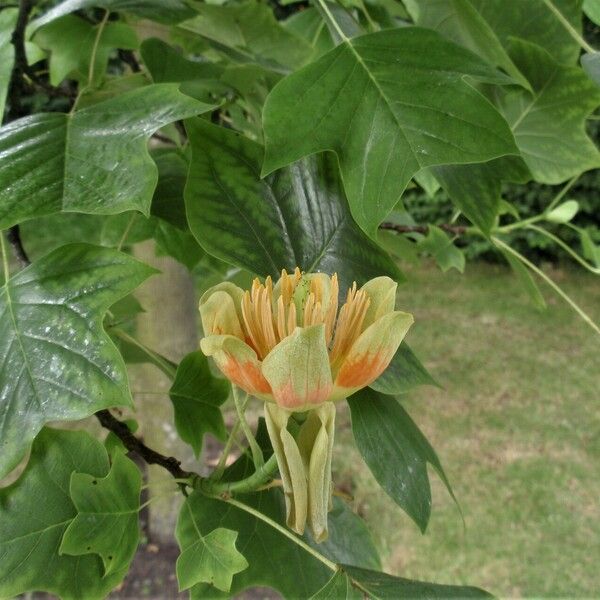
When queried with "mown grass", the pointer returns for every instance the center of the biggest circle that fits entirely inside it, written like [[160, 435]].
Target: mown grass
[[517, 428]]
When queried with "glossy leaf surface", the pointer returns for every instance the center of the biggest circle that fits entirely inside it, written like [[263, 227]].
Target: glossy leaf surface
[[297, 216], [388, 104], [36, 510], [93, 161], [57, 361], [395, 451], [8, 18]]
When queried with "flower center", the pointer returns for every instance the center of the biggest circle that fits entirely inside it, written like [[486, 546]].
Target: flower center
[[302, 301]]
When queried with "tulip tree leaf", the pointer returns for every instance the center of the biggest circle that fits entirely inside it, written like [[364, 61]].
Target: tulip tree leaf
[[107, 515], [396, 452], [461, 22], [71, 42], [211, 558], [94, 160], [57, 361], [36, 510], [8, 18], [445, 253], [163, 11], [404, 373], [249, 33], [197, 396], [549, 123], [388, 104], [296, 216], [564, 212], [381, 586], [527, 282]]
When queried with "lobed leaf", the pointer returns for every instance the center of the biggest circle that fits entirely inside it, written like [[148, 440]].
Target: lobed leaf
[[57, 362]]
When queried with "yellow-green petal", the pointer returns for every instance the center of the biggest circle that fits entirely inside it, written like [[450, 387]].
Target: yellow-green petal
[[298, 369], [382, 294], [238, 362], [220, 310], [371, 353], [291, 467]]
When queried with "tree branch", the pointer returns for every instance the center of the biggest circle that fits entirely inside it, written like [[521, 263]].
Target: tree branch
[[453, 229], [133, 444], [13, 235]]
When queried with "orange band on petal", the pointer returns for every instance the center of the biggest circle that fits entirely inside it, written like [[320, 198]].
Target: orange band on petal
[[246, 375], [364, 370], [286, 397]]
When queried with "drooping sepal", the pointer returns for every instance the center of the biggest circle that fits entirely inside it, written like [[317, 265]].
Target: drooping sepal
[[304, 463]]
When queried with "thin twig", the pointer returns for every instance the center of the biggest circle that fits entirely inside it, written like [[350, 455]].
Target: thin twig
[[453, 229], [133, 444]]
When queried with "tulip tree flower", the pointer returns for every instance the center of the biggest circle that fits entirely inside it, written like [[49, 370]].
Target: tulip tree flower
[[288, 344]]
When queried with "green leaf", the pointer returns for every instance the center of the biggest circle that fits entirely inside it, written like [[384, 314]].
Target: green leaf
[[590, 250], [549, 123], [211, 558], [163, 11], [388, 104], [427, 181], [476, 189], [297, 216], [396, 452], [71, 42], [404, 373], [93, 161], [107, 515], [564, 212], [8, 19], [527, 281], [339, 587], [461, 22], [381, 586], [57, 361], [534, 21], [591, 8], [197, 397], [249, 33], [445, 253], [36, 510], [591, 65], [309, 25]]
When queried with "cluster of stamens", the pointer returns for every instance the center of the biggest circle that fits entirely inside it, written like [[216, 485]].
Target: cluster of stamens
[[266, 323]]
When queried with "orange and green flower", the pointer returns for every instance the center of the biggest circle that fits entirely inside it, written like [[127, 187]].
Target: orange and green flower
[[288, 343]]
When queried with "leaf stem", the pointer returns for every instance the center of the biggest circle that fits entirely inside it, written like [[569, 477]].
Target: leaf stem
[[566, 248], [127, 230], [4, 258], [260, 477], [240, 407], [572, 31], [101, 27], [220, 468], [156, 359], [283, 530], [333, 21], [562, 192], [500, 244]]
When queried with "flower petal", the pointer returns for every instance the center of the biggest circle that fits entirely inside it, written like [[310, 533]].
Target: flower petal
[[238, 362], [221, 310], [382, 294], [371, 353], [298, 369], [291, 467]]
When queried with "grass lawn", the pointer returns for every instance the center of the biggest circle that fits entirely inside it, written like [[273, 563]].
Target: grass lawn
[[517, 429]]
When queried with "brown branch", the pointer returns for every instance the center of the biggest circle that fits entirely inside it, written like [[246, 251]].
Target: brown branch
[[453, 229], [133, 444], [13, 235]]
